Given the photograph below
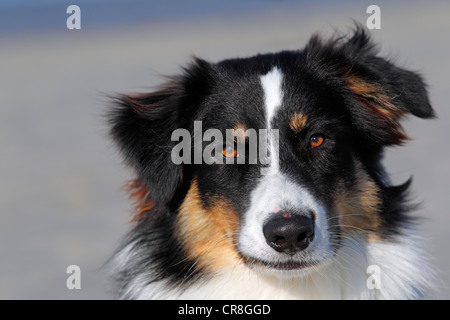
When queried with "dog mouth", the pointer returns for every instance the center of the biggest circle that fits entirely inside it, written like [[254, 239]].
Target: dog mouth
[[291, 265]]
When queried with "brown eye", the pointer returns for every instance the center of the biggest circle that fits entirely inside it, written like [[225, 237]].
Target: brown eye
[[229, 152], [316, 140]]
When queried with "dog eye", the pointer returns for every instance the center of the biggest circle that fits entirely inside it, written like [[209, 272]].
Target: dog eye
[[229, 151], [316, 140]]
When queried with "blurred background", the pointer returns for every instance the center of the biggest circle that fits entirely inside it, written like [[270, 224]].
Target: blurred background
[[61, 201]]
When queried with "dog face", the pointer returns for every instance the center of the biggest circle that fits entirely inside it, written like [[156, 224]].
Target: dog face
[[332, 108]]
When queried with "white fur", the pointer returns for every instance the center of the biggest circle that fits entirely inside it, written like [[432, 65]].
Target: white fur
[[405, 274], [274, 193], [273, 97], [273, 93]]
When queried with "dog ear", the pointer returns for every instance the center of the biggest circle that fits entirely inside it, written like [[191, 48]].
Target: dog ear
[[142, 126], [378, 93], [384, 92]]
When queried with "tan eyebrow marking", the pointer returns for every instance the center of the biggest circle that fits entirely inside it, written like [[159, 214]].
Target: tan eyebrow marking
[[240, 130], [378, 101], [298, 121]]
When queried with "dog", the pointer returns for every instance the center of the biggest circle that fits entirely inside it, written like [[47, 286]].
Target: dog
[[319, 220]]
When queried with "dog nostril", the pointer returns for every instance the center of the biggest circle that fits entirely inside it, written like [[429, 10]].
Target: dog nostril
[[302, 237], [289, 234], [279, 241], [305, 236]]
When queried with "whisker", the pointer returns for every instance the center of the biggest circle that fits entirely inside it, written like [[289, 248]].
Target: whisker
[[349, 215], [349, 226]]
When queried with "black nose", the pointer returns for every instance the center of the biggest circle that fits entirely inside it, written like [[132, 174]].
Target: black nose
[[289, 233]]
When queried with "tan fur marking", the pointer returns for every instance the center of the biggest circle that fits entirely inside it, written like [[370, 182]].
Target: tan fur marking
[[208, 233], [359, 207], [298, 122], [240, 131], [140, 195], [381, 103]]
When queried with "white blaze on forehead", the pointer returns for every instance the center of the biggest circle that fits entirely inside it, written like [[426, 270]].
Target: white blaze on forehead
[[273, 97]]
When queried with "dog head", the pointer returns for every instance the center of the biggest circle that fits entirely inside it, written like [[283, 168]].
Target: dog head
[[324, 114]]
